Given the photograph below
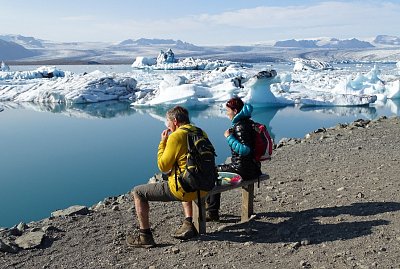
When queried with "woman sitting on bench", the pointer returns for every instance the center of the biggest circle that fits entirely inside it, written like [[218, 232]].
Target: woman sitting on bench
[[240, 138]]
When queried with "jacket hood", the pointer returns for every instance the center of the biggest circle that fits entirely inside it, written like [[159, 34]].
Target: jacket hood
[[244, 113]]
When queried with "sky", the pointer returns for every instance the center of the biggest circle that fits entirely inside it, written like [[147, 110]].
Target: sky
[[205, 22]]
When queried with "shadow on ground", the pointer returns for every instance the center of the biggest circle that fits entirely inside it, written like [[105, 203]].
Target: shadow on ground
[[314, 225]]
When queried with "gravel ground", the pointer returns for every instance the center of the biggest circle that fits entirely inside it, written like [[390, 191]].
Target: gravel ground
[[332, 201]]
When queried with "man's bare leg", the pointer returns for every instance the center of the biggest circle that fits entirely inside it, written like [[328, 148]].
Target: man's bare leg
[[142, 211]]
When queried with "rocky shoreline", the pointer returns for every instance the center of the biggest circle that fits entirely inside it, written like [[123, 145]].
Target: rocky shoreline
[[332, 201]]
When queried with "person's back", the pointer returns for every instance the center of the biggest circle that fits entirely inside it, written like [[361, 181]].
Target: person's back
[[172, 153]]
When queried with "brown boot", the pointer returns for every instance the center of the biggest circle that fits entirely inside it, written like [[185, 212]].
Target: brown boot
[[186, 231], [140, 241]]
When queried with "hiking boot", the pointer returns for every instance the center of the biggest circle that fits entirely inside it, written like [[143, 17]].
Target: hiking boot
[[140, 241], [186, 231], [212, 216]]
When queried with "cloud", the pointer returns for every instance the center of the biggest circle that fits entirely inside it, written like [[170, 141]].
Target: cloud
[[85, 18], [325, 13], [333, 18]]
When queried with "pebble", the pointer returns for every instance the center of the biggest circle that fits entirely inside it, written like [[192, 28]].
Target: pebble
[[305, 242], [175, 250], [360, 195]]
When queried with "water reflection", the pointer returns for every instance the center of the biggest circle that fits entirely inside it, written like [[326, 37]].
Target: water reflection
[[364, 111], [111, 109], [108, 109]]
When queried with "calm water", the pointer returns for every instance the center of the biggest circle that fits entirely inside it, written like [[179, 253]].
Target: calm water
[[52, 157]]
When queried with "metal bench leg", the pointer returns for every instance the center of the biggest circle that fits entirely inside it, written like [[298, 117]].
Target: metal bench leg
[[200, 224], [247, 202]]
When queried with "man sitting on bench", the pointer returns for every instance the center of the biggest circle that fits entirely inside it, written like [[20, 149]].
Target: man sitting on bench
[[240, 139]]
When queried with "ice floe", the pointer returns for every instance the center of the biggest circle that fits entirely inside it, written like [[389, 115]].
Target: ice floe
[[46, 85], [146, 88], [4, 67], [167, 61], [305, 64]]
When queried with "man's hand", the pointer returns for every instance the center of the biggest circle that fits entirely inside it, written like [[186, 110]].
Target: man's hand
[[164, 135]]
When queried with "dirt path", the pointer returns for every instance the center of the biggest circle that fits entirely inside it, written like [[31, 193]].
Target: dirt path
[[333, 201]]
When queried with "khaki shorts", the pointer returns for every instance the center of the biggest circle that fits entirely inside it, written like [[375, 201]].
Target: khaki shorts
[[154, 192]]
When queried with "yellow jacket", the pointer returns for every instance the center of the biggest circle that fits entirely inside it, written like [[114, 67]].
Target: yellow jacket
[[172, 151]]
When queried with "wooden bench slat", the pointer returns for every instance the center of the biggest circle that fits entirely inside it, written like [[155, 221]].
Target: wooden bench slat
[[199, 216]]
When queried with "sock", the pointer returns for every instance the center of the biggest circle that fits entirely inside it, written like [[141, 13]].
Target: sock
[[189, 219], [145, 231]]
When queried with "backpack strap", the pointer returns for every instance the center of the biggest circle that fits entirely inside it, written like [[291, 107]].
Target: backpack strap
[[176, 177]]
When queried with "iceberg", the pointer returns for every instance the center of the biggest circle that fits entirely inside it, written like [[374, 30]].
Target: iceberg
[[304, 65], [86, 88], [41, 72], [265, 88], [4, 67], [167, 61], [259, 91]]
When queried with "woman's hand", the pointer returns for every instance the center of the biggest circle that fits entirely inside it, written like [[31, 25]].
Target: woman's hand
[[227, 133]]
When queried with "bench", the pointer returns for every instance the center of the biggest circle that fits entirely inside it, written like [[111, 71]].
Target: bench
[[199, 216]]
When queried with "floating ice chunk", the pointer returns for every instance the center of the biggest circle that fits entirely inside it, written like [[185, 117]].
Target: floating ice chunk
[[167, 61], [172, 80], [92, 87], [41, 72], [398, 65], [259, 90], [304, 64], [187, 94], [4, 67], [142, 62], [393, 89]]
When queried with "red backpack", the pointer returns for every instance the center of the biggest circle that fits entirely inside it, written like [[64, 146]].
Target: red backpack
[[263, 143]]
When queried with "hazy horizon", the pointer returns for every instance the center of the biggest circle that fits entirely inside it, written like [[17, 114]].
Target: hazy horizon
[[202, 23]]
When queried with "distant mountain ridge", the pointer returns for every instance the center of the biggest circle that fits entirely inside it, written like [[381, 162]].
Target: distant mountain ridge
[[25, 41], [160, 42], [387, 40], [30, 50], [324, 43], [14, 51]]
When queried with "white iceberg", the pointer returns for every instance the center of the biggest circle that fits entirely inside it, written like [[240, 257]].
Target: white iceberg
[[41, 72], [143, 62], [201, 88], [304, 64], [87, 88], [259, 91], [167, 61], [4, 67]]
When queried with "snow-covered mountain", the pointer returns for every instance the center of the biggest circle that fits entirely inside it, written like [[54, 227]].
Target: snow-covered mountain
[[14, 51], [387, 40], [324, 43], [170, 43], [25, 41], [17, 49]]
